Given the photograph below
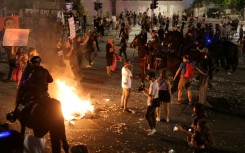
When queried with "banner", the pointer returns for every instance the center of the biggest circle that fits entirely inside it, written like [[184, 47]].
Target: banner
[[72, 28], [11, 22], [16, 37]]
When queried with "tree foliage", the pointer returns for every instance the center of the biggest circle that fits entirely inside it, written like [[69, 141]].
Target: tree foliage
[[232, 4]]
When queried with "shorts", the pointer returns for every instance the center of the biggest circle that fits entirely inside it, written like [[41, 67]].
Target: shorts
[[164, 96], [126, 92], [184, 83]]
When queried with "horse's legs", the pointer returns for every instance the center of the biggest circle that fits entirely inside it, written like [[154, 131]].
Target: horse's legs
[[142, 70], [22, 129]]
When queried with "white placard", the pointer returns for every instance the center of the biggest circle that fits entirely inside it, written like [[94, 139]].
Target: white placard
[[72, 28], [16, 37]]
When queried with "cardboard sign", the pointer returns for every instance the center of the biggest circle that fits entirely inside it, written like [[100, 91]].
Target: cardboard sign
[[72, 28], [16, 37]]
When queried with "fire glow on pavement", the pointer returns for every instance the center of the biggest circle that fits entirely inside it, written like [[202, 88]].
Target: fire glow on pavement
[[73, 106]]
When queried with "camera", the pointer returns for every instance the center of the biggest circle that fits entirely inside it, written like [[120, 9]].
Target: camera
[[141, 87], [175, 128]]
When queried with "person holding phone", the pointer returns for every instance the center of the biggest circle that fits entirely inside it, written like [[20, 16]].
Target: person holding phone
[[152, 101], [199, 125]]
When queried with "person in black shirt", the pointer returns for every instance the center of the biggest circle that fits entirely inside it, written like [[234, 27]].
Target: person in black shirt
[[167, 24], [161, 34], [122, 30], [96, 35], [123, 46], [89, 48], [143, 35], [206, 66], [77, 51], [96, 22]]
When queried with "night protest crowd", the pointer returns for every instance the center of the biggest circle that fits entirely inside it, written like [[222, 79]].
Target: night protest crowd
[[51, 33]]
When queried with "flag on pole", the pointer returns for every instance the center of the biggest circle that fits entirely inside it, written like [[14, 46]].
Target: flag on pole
[[62, 17]]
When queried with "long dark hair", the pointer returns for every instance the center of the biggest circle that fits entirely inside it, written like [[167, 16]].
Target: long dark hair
[[163, 74]]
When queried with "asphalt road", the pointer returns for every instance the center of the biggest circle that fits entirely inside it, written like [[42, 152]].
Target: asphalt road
[[109, 130]]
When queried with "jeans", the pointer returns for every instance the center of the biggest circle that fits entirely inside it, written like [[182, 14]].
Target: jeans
[[123, 50], [151, 117]]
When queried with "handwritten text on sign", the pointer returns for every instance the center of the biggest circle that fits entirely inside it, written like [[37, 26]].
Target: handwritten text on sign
[[16, 37], [72, 27]]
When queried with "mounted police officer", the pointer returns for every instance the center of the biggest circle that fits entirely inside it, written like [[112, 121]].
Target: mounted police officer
[[34, 88], [154, 47], [143, 36]]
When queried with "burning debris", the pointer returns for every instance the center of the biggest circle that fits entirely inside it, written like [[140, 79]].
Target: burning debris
[[73, 106]]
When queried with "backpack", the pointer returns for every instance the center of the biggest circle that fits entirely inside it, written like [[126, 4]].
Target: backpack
[[189, 70]]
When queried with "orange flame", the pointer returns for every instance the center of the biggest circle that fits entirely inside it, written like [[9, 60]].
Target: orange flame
[[73, 106]]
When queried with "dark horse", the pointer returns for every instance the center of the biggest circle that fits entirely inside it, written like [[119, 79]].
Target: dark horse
[[142, 52], [45, 116], [172, 48], [169, 53], [226, 54]]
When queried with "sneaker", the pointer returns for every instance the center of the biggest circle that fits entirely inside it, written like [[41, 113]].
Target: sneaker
[[152, 132], [167, 120], [88, 66], [92, 63], [158, 119]]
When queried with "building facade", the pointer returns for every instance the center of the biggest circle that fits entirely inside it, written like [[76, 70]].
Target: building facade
[[167, 8]]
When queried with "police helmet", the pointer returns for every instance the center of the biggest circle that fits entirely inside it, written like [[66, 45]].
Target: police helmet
[[35, 59]]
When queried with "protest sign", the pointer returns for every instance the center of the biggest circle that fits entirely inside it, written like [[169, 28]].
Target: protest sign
[[16, 37], [72, 28]]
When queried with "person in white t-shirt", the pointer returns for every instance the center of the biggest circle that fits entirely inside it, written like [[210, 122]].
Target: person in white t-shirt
[[152, 101], [126, 84]]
